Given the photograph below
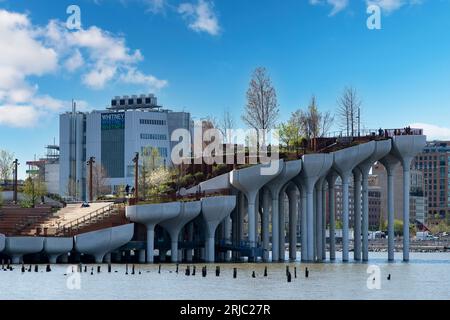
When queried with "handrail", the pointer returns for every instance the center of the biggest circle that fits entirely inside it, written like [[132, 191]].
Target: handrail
[[88, 217]]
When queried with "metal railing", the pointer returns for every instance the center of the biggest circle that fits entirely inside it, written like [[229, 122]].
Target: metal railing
[[86, 219]]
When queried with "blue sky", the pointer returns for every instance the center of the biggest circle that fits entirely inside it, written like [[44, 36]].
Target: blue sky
[[198, 55]]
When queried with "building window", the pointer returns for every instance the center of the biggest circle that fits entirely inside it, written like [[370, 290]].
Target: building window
[[147, 101], [113, 102], [122, 102], [139, 101], [130, 101], [153, 136], [153, 122]]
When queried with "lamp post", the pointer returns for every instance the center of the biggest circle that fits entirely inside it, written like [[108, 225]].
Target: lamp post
[[90, 163], [15, 163], [136, 172]]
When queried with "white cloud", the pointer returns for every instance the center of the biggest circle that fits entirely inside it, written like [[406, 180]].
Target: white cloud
[[433, 132], [337, 5], [28, 50], [134, 76], [201, 16]]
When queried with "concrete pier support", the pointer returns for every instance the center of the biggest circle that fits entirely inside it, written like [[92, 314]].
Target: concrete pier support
[[319, 220], [141, 256], [151, 215], [357, 214], [332, 213], [345, 217], [250, 181], [344, 162], [189, 210], [405, 148], [304, 227], [314, 167], [54, 247], [16, 247], [324, 219], [214, 211], [390, 163], [288, 171], [265, 224], [382, 148], [282, 225], [293, 215]]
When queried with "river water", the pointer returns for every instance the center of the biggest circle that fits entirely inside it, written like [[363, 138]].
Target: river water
[[426, 276]]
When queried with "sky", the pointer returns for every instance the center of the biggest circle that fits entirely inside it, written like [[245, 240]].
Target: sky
[[198, 56]]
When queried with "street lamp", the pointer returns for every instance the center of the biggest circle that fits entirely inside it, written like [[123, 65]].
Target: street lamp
[[90, 163]]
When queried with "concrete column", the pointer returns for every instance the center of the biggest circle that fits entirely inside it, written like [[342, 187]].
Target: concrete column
[[345, 215], [357, 214], [310, 222], [275, 229], [318, 223], [141, 256], [228, 236], [324, 220], [303, 226], [365, 216], [390, 199], [189, 252], [150, 242], [293, 212], [282, 225], [265, 224], [406, 163], [251, 218], [332, 214], [242, 208]]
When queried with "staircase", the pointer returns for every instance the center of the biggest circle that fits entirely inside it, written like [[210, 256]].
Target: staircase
[[109, 216]]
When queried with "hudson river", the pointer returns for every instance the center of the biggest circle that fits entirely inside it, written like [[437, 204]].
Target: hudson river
[[426, 276]]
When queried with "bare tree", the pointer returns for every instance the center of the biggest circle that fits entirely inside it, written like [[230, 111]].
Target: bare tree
[[312, 123], [349, 110], [6, 165], [261, 111], [99, 180], [226, 125]]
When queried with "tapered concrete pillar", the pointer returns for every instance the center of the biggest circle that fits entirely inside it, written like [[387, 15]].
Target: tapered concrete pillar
[[250, 180], [282, 225], [304, 227], [16, 247], [324, 219], [405, 148], [227, 228], [54, 247], [150, 215], [288, 171], [314, 167], [345, 217], [214, 211], [332, 213], [190, 232], [2, 242], [319, 222], [344, 162], [265, 224], [141, 256], [293, 214], [382, 148], [390, 163], [189, 211], [357, 214]]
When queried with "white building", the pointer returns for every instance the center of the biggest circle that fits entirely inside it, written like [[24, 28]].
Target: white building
[[113, 136]]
